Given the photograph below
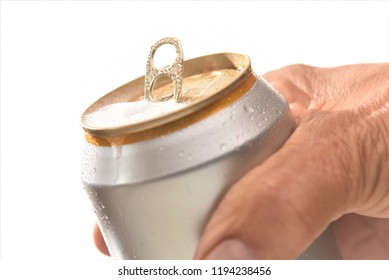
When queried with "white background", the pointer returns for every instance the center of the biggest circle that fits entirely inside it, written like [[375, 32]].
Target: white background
[[59, 57]]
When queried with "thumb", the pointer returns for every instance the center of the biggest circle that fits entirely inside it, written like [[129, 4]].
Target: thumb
[[279, 208]]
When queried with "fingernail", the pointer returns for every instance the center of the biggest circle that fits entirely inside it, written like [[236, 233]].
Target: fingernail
[[231, 249]]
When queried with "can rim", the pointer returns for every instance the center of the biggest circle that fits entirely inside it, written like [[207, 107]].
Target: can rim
[[132, 90]]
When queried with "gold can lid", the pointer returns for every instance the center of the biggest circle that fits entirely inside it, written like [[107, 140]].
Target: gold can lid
[[151, 101]]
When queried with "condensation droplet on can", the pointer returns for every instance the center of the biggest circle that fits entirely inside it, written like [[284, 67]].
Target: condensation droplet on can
[[117, 151], [248, 108], [162, 148]]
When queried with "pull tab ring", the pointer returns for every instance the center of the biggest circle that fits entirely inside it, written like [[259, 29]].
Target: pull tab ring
[[173, 71]]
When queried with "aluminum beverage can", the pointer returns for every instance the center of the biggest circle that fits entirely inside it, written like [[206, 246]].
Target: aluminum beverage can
[[154, 182]]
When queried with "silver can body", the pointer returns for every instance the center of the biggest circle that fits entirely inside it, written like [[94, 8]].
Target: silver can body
[[153, 198]]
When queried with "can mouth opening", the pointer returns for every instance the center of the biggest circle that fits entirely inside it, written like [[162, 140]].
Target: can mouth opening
[[206, 79]]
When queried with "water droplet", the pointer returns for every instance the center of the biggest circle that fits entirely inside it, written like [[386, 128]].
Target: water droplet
[[134, 257], [189, 156], [223, 146], [248, 109], [117, 151], [251, 117], [162, 148], [181, 154]]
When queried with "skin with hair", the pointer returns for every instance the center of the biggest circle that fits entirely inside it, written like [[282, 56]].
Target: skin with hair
[[333, 169]]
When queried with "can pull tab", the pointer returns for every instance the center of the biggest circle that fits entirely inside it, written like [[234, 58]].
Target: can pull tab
[[173, 71]]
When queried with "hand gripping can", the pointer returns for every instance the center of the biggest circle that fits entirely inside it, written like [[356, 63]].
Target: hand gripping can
[[160, 156]]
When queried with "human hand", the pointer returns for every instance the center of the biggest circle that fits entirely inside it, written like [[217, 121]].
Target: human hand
[[336, 162]]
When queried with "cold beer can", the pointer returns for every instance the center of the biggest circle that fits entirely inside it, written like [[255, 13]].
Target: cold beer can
[[161, 153]]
